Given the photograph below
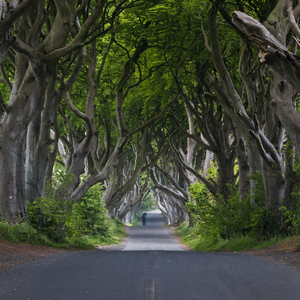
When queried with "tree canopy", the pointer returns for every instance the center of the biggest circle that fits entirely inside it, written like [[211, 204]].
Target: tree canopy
[[150, 98]]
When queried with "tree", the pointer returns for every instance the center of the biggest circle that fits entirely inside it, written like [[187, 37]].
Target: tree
[[64, 28]]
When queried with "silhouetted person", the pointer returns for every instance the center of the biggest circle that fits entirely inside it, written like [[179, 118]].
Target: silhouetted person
[[144, 219]]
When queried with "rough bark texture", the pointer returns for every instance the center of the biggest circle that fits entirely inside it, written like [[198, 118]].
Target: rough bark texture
[[272, 42], [28, 90]]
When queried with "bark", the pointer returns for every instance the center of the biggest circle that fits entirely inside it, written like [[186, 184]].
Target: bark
[[10, 13], [191, 145], [209, 156], [127, 73], [229, 100], [55, 150], [117, 196], [21, 184], [82, 149], [39, 137], [166, 180], [34, 180], [113, 184], [210, 185], [273, 173], [290, 178], [29, 86], [244, 169], [228, 97], [254, 96], [178, 197], [136, 197], [275, 54], [12, 135], [94, 81]]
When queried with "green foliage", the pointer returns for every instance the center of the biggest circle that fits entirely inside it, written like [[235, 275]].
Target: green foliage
[[292, 216], [89, 216], [61, 220], [219, 218], [54, 221], [213, 170], [187, 234], [22, 233], [190, 238], [263, 223], [49, 213], [116, 233]]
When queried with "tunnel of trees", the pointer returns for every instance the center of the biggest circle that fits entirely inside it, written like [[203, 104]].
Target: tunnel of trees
[[167, 100]]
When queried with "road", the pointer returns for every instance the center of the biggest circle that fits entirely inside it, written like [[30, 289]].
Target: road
[[154, 236], [151, 275]]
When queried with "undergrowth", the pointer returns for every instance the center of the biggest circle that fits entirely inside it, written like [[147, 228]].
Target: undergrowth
[[238, 243], [116, 234], [23, 233], [56, 222], [231, 224]]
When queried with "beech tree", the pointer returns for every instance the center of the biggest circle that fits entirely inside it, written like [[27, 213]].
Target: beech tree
[[41, 39], [144, 95], [49, 37]]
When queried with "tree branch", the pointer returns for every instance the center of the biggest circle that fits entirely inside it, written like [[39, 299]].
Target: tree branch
[[210, 186]]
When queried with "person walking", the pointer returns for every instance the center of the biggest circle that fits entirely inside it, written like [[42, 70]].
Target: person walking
[[144, 219]]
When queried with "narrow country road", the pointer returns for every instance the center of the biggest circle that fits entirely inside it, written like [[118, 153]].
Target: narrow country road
[[151, 275], [154, 236]]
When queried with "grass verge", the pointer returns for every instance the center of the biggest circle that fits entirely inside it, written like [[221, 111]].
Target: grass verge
[[195, 242], [116, 234], [25, 234]]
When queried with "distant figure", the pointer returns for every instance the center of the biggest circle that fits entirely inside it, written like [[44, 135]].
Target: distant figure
[[144, 219]]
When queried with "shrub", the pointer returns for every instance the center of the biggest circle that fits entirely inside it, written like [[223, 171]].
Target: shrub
[[49, 213], [292, 216], [21, 233], [59, 218], [89, 216], [217, 217]]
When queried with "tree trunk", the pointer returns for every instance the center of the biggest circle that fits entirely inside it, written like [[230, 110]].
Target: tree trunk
[[244, 169], [13, 135]]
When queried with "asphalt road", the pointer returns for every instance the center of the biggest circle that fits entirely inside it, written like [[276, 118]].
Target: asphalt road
[[153, 236], [151, 275]]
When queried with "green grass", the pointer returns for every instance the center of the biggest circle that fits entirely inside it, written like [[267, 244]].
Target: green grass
[[197, 243], [22, 233], [271, 242], [187, 235], [25, 234], [115, 236]]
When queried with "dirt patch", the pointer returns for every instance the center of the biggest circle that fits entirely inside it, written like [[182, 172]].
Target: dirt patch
[[286, 252], [14, 254]]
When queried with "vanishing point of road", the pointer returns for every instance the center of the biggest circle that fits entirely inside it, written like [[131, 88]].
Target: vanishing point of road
[[152, 266]]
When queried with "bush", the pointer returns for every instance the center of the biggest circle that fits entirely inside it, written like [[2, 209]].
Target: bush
[[54, 221], [89, 216], [116, 233], [227, 218], [49, 213], [60, 219], [22, 233], [292, 217]]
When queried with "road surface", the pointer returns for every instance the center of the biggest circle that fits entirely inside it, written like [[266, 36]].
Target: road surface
[[151, 275], [153, 236]]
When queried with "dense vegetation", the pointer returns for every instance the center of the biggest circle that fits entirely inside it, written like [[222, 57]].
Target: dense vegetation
[[57, 223], [108, 106]]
